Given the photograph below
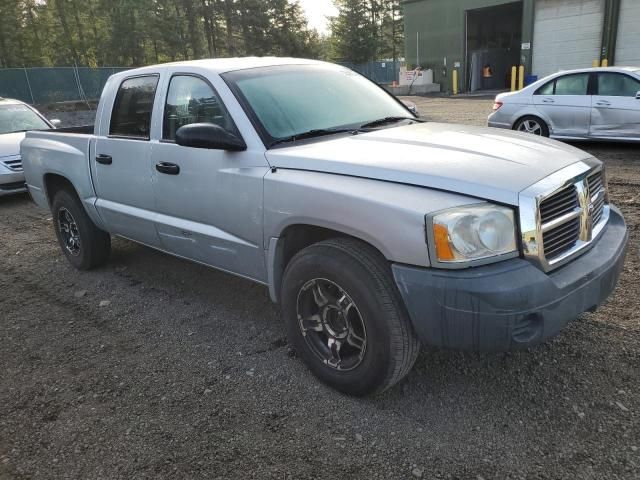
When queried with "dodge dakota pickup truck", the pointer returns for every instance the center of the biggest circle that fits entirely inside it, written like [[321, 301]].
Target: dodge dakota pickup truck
[[374, 230]]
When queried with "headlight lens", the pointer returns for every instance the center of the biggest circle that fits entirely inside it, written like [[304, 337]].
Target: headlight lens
[[473, 232]]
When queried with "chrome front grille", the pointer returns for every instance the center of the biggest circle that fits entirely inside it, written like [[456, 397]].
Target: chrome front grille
[[562, 215], [13, 163]]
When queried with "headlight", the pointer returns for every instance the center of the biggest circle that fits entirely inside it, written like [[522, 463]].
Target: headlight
[[472, 233]]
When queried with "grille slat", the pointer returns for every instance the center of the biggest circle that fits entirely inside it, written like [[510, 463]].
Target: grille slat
[[596, 188], [562, 241], [564, 236]]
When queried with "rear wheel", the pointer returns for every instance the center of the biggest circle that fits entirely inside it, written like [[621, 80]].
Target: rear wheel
[[84, 244], [345, 317], [532, 125]]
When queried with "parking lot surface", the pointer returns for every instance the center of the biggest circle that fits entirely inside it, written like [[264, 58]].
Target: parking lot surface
[[153, 367]]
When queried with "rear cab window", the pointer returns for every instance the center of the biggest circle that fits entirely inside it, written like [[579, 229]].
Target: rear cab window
[[133, 106]]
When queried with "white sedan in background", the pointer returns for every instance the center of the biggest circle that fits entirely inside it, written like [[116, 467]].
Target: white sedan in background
[[16, 118], [592, 103]]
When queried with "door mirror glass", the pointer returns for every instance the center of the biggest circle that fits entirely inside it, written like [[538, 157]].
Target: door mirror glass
[[209, 136]]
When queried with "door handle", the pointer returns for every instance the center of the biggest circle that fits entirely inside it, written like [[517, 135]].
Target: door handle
[[603, 103], [548, 100], [104, 159], [168, 168]]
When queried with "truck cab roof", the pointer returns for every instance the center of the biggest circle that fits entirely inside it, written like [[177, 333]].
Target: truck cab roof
[[224, 65]]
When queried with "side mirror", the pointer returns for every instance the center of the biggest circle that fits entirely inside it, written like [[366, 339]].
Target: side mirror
[[411, 106], [209, 136], [638, 96], [55, 122]]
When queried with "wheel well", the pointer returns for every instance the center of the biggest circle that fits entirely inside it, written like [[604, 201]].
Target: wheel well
[[292, 240], [54, 183]]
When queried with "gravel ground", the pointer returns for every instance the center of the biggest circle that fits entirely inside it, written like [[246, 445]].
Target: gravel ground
[[153, 367]]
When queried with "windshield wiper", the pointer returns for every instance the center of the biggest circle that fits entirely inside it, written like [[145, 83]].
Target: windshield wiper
[[385, 120], [318, 132]]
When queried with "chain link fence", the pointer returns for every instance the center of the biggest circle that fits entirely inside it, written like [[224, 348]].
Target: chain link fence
[[46, 85], [381, 72]]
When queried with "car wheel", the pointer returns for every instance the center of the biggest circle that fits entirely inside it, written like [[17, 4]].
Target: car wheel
[[345, 317], [84, 244], [533, 125]]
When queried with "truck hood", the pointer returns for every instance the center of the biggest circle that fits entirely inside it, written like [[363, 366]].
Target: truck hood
[[10, 144], [485, 163]]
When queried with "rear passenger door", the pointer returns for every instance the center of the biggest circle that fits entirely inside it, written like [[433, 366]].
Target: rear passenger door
[[616, 106], [566, 102], [209, 203], [121, 161]]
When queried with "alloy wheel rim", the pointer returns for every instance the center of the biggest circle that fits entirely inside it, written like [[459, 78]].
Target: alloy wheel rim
[[331, 324], [531, 126], [69, 232]]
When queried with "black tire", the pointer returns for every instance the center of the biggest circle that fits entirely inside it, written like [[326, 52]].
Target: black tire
[[348, 266], [533, 125], [93, 244]]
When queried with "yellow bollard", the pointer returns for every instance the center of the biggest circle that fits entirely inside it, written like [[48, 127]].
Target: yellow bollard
[[455, 81], [514, 75], [521, 78], [605, 63], [595, 63]]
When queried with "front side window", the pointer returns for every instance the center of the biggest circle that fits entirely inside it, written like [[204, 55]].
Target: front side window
[[577, 84], [19, 118], [617, 85], [192, 100], [293, 99], [131, 116]]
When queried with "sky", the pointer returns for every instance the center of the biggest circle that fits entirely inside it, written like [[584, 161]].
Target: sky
[[317, 11]]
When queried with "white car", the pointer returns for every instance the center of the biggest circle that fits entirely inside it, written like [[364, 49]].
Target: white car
[[16, 118], [592, 103]]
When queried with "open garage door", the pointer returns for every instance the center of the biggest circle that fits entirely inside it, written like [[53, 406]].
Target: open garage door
[[628, 41], [567, 34]]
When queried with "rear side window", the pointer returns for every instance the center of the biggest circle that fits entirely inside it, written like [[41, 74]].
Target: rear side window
[[546, 89], [577, 84], [617, 85], [131, 116], [192, 100]]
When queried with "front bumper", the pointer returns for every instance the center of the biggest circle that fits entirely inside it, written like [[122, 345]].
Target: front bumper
[[511, 304], [11, 182]]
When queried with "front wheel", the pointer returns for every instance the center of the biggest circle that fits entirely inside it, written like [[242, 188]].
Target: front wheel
[[345, 317], [532, 125]]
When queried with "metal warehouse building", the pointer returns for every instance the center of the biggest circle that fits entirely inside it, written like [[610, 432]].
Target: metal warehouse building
[[483, 39]]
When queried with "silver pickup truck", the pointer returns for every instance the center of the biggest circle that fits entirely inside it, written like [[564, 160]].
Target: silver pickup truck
[[374, 230]]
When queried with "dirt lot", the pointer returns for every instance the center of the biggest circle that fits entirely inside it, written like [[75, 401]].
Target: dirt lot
[[184, 372]]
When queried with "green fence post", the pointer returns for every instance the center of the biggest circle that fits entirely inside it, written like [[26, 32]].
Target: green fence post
[[26, 76]]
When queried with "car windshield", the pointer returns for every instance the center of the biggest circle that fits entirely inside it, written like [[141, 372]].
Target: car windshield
[[19, 118], [296, 99]]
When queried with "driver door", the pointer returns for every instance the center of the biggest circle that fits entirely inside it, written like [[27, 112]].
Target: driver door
[[208, 202]]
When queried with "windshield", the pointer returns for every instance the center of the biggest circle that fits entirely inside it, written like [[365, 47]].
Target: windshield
[[18, 118], [293, 99]]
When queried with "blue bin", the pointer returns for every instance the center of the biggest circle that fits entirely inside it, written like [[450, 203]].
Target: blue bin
[[529, 79]]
